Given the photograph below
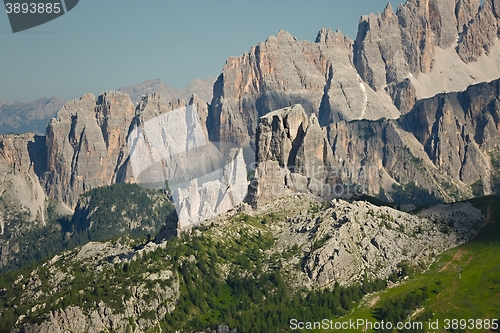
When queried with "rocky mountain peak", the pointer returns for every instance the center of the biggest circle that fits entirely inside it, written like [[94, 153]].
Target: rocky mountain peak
[[465, 10], [326, 36], [86, 144], [479, 36]]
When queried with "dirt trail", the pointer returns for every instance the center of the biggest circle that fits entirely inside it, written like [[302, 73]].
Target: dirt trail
[[456, 257], [373, 302]]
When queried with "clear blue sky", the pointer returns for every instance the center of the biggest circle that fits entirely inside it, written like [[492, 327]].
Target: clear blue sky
[[105, 44]]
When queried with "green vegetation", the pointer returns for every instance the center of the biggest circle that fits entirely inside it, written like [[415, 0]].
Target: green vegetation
[[495, 177], [410, 193], [477, 188], [464, 283], [38, 242], [82, 285], [110, 211], [255, 295], [103, 213], [234, 276]]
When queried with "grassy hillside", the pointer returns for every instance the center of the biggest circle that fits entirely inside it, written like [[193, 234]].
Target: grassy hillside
[[463, 283]]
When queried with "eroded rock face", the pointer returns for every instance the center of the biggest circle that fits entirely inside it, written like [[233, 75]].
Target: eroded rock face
[[355, 239], [458, 130], [442, 146], [86, 145], [481, 33], [427, 47], [284, 71], [212, 194], [465, 10], [389, 45]]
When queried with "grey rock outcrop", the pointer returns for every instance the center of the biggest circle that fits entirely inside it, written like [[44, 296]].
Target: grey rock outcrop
[[169, 143], [86, 145], [202, 88], [89, 143], [378, 155], [459, 130], [212, 194], [295, 155], [292, 155], [22, 198], [354, 239]]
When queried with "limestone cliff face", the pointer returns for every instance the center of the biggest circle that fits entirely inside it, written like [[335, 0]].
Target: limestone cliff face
[[427, 47], [284, 71], [442, 146], [293, 155], [22, 199], [399, 57], [20, 189], [458, 130], [378, 155], [86, 145], [389, 45], [481, 33], [344, 159]]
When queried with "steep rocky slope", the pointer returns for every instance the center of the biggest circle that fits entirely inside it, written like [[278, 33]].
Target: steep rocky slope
[[421, 49], [86, 145], [294, 154], [459, 131], [427, 47], [284, 71], [292, 246], [28, 117], [442, 147], [22, 199]]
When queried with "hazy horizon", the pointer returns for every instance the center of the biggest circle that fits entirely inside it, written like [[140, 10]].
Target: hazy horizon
[[104, 45]]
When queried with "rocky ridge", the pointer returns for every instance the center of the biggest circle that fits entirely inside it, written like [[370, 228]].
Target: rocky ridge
[[155, 292], [336, 242], [357, 239], [442, 146], [421, 49]]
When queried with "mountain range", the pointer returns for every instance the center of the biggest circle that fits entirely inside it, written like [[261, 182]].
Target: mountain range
[[408, 112], [16, 117]]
